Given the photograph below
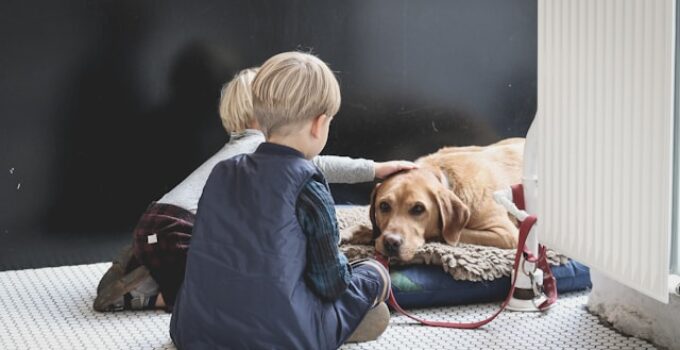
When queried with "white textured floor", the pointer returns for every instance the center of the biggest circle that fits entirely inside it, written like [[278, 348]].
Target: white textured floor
[[51, 309]]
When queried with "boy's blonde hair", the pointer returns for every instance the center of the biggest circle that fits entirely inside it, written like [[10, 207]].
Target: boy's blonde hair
[[291, 88], [236, 101]]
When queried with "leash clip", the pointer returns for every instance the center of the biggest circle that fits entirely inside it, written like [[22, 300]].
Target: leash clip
[[537, 283], [530, 274]]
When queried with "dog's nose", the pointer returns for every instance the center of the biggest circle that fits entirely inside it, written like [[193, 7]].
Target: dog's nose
[[392, 243]]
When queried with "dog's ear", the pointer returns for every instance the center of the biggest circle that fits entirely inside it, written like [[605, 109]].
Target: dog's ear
[[453, 215], [371, 212]]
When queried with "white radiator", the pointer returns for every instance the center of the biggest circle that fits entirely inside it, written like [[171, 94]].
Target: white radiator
[[602, 139]]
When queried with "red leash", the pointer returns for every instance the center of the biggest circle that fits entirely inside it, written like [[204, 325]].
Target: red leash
[[541, 262]]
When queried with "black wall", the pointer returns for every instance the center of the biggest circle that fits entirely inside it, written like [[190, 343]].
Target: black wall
[[106, 105]]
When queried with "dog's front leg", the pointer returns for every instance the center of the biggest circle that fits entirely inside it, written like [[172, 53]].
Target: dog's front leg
[[501, 237]]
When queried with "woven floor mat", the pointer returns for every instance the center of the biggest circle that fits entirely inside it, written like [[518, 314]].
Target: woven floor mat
[[51, 309]]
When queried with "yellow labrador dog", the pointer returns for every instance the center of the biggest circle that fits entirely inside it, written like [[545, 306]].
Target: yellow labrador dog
[[450, 198]]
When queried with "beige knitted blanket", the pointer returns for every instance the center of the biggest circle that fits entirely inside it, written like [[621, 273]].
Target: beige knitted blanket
[[464, 262]]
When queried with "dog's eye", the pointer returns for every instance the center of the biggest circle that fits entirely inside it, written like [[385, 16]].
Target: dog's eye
[[384, 207], [417, 209]]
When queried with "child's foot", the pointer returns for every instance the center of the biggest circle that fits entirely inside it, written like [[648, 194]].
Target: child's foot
[[384, 277], [373, 325], [135, 291], [117, 269]]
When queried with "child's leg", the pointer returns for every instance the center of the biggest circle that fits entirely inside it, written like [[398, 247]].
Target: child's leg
[[138, 287], [167, 263], [162, 240], [369, 288], [160, 245]]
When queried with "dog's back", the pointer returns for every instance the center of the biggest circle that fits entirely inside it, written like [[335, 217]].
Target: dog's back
[[497, 165], [476, 172]]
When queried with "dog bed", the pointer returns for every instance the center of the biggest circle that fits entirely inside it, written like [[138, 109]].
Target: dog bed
[[441, 274]]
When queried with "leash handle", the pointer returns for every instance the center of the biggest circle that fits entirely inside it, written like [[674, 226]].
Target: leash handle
[[541, 261]]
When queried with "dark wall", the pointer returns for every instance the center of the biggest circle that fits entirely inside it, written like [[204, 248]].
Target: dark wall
[[106, 105]]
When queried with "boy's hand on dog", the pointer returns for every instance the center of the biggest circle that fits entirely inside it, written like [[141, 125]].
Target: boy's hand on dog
[[385, 169]]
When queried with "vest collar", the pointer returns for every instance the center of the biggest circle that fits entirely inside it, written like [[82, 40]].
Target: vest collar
[[278, 150]]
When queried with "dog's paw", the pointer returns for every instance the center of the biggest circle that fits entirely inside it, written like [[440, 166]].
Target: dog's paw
[[358, 234]]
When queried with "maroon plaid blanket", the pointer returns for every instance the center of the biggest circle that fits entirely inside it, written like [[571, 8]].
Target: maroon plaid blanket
[[161, 242]]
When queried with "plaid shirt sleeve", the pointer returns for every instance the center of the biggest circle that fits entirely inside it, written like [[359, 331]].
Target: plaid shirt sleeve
[[328, 271]]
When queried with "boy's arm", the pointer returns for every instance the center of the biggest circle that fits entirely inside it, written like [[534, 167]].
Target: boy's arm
[[338, 169], [348, 170], [327, 272]]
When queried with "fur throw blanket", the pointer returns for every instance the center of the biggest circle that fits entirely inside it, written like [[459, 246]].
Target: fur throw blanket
[[463, 262]]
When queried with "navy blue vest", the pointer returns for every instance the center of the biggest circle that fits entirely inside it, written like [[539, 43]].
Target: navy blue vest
[[244, 286]]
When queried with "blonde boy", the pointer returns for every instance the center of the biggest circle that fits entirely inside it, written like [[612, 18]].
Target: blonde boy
[[264, 270], [236, 102]]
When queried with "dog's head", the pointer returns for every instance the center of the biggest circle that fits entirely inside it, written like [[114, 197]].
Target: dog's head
[[413, 206]]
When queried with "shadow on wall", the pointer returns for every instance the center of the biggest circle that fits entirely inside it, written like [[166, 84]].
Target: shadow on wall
[[421, 129], [428, 129], [119, 154]]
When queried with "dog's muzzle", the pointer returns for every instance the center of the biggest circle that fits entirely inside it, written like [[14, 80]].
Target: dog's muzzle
[[392, 243]]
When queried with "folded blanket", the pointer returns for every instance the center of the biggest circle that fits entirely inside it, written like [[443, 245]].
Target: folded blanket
[[466, 262]]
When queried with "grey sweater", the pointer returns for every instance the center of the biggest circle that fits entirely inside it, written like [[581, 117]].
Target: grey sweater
[[336, 169]]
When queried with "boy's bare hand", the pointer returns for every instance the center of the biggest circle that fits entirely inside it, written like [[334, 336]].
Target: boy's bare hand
[[385, 169]]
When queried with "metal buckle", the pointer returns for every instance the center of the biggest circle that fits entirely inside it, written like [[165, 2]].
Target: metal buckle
[[537, 287]]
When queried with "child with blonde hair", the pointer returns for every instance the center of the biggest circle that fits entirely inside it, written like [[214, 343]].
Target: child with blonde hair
[[264, 270], [148, 274]]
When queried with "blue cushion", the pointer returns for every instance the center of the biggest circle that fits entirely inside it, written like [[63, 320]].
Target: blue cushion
[[428, 285]]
